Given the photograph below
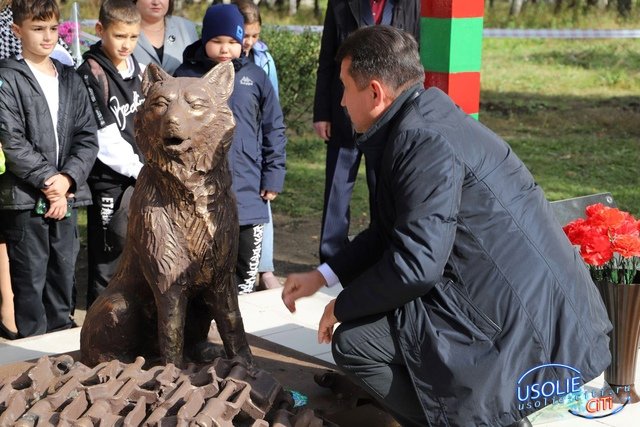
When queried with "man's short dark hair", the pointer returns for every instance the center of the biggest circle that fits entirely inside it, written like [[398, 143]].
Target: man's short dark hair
[[39, 10], [114, 11], [384, 53]]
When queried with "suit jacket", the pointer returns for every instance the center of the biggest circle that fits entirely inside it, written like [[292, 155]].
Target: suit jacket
[[342, 18], [179, 33]]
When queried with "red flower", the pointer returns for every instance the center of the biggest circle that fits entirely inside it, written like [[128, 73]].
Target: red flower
[[629, 226], [604, 217], [602, 233], [576, 231], [627, 246], [597, 250]]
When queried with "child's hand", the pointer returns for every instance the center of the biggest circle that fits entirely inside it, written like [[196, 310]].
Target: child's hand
[[57, 210], [268, 195], [57, 187]]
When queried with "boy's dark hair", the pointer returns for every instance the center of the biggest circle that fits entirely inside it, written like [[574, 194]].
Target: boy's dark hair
[[249, 10], [384, 53], [169, 10], [113, 11], [39, 10]]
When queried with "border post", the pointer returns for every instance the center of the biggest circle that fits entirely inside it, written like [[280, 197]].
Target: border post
[[451, 49]]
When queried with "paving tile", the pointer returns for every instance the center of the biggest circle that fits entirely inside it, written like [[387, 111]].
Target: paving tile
[[301, 339], [327, 357], [558, 415], [628, 417], [265, 299], [267, 324], [41, 345], [574, 422]]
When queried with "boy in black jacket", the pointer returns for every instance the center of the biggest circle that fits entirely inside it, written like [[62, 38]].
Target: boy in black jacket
[[113, 78], [48, 137], [257, 156]]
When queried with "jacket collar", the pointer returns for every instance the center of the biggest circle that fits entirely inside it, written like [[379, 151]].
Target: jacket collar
[[170, 30], [371, 138], [18, 63], [196, 55], [96, 53]]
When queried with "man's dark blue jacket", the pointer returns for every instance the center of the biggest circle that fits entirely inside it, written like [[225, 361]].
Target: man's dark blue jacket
[[257, 156], [467, 257]]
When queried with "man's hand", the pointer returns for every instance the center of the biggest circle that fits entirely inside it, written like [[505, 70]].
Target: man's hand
[[328, 320], [56, 187], [300, 285], [268, 195], [57, 210], [323, 129]]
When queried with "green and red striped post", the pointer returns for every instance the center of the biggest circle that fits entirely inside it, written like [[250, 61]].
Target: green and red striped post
[[451, 49]]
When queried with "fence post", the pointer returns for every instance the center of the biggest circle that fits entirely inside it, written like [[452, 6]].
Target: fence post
[[451, 49], [75, 45]]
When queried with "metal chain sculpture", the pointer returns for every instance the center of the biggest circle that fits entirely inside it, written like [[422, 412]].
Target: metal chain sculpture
[[177, 270]]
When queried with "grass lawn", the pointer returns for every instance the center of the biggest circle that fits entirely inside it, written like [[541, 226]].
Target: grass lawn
[[570, 110]]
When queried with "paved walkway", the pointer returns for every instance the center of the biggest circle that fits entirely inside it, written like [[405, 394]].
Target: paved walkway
[[265, 316]]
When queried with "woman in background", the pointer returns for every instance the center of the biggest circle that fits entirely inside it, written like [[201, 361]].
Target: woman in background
[[163, 37]]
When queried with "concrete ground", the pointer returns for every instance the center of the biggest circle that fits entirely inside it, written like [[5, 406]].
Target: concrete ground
[[285, 344]]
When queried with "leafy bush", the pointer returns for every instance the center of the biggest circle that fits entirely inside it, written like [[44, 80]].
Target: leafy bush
[[296, 57]]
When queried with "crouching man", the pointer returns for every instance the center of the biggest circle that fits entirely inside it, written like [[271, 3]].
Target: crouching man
[[464, 281]]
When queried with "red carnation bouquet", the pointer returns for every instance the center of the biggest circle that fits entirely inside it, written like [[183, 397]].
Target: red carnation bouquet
[[609, 241]]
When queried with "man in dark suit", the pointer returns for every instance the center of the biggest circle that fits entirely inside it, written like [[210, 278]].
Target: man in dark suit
[[331, 122]]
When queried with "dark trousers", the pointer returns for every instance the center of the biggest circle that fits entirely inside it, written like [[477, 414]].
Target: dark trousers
[[42, 256], [105, 238], [249, 248], [368, 353], [340, 176]]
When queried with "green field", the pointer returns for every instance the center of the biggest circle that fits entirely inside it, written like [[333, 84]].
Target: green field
[[569, 109]]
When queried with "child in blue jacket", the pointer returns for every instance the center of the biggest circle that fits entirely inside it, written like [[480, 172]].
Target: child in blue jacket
[[257, 155], [258, 52]]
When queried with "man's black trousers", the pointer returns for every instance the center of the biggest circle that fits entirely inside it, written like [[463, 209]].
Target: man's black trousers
[[367, 352]]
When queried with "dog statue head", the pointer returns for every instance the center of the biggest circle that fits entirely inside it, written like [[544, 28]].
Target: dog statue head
[[185, 124]]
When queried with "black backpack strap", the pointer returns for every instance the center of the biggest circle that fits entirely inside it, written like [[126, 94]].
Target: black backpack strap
[[101, 77]]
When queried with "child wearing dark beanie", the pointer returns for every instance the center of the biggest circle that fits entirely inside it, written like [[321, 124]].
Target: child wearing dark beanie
[[223, 20], [257, 155]]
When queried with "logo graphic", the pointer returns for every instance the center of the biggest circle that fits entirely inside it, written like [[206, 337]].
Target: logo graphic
[[246, 81], [559, 384]]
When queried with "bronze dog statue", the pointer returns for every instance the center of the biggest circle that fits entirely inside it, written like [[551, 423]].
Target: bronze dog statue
[[176, 273]]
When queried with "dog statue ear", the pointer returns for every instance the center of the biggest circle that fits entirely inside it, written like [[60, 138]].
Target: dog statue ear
[[220, 80], [152, 75]]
